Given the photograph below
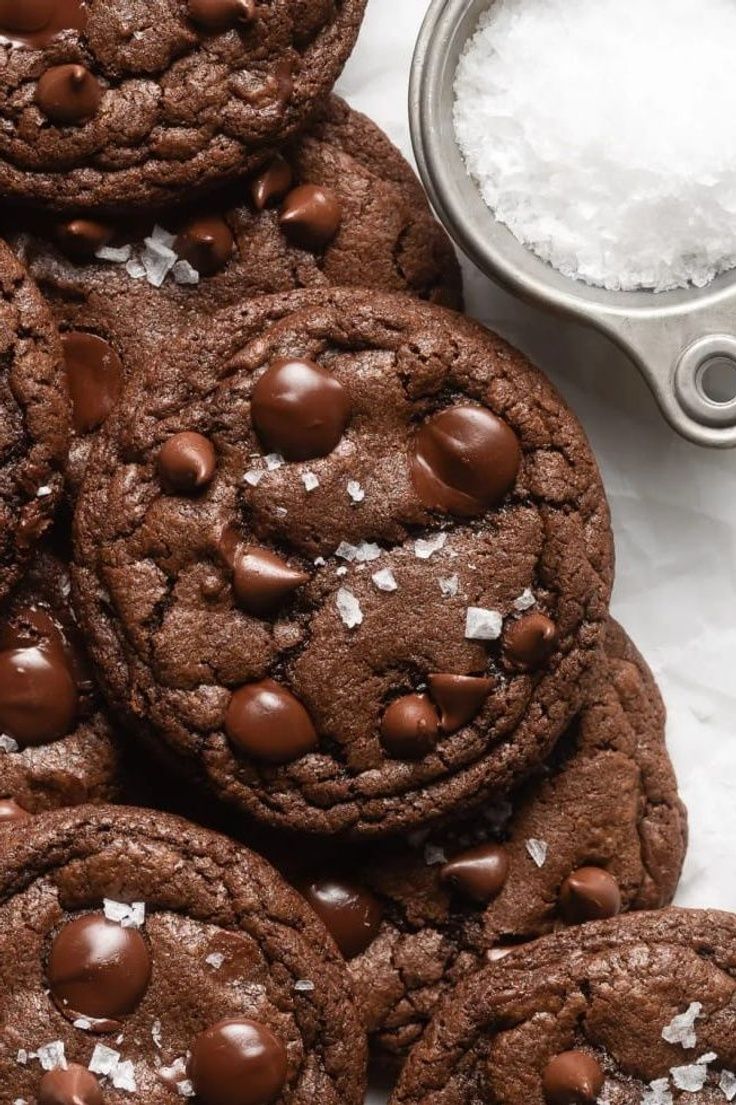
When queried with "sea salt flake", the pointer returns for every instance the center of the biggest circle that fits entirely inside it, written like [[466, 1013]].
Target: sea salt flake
[[162, 237], [450, 585], [346, 551], [83, 1023], [525, 600], [708, 1058], [433, 855], [104, 1060], [537, 849], [274, 461], [129, 915], [355, 491], [185, 1088], [658, 1093], [304, 985], [690, 1077], [482, 624], [119, 254], [215, 959], [727, 1084], [184, 273], [310, 481], [22, 1057], [319, 562], [367, 551], [51, 1056], [135, 269], [254, 476], [385, 580], [424, 547], [341, 571], [43, 492], [123, 1076], [681, 1029], [7, 744], [349, 608], [156, 1034]]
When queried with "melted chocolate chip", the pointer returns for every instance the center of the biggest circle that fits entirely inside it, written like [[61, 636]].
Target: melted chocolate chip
[[262, 581], [68, 94], [480, 873], [299, 409], [271, 184], [36, 22], [265, 721], [572, 1078], [187, 462], [38, 691], [98, 969], [220, 15], [95, 376], [464, 461], [589, 894], [238, 1062], [529, 641], [73, 1086], [311, 216], [410, 727], [81, 238], [459, 698], [206, 243], [10, 811], [350, 913]]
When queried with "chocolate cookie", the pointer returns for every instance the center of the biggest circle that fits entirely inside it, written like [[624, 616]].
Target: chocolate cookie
[[598, 830], [117, 105], [140, 955], [635, 1009], [360, 582], [57, 747], [340, 205], [34, 419]]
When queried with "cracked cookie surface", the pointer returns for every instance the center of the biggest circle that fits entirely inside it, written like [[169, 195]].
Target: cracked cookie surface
[[34, 419], [383, 235], [598, 829], [122, 104], [639, 1008], [441, 575], [145, 947]]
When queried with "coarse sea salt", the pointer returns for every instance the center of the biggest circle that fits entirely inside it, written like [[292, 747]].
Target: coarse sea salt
[[601, 133]]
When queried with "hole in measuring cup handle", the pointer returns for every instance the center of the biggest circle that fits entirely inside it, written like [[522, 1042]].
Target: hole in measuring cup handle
[[705, 380]]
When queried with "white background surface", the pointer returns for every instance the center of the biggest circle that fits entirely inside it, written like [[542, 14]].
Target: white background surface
[[673, 505]]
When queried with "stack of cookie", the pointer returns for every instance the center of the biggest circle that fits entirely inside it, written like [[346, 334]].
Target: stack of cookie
[[296, 552]]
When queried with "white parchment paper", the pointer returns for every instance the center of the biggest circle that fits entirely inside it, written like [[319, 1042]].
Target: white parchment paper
[[673, 505]]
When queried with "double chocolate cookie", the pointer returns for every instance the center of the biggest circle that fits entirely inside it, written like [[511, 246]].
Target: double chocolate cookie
[[598, 830], [338, 206], [636, 1009], [143, 959], [56, 745], [358, 583], [116, 104], [34, 419]]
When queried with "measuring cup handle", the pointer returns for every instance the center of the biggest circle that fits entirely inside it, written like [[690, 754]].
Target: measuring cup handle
[[673, 353]]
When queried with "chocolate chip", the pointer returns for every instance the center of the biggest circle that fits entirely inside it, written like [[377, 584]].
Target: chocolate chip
[[73, 1086], [219, 15], [10, 811], [36, 22], [299, 409], [263, 581], [238, 1062], [68, 94], [589, 894], [349, 912], [572, 1078], [98, 969], [81, 238], [265, 721], [459, 698], [95, 376], [529, 641], [187, 462], [206, 243], [410, 727], [464, 461], [25, 15], [480, 873], [38, 692], [311, 216], [271, 184]]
